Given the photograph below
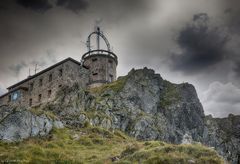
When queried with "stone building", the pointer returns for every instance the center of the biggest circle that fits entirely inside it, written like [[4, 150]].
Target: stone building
[[96, 68], [101, 63], [42, 87]]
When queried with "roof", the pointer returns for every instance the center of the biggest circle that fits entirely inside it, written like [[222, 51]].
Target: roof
[[18, 88], [45, 70]]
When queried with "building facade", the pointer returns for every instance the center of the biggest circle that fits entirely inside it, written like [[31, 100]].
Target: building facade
[[43, 86], [97, 67]]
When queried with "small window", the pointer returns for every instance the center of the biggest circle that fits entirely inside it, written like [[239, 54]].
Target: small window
[[30, 102], [40, 82], [15, 96], [60, 72], [94, 59], [60, 86], [49, 93], [50, 78], [31, 86], [94, 74], [110, 78], [39, 98], [110, 63], [9, 98]]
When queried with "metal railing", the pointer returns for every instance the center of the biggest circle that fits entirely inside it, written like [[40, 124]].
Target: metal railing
[[100, 52]]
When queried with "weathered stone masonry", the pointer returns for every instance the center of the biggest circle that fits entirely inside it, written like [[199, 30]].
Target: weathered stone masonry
[[42, 87]]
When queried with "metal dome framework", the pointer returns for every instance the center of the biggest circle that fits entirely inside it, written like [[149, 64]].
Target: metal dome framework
[[99, 51]]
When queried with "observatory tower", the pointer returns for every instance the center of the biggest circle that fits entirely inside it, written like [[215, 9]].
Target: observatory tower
[[101, 62]]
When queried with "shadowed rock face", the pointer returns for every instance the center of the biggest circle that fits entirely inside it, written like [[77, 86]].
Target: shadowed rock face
[[17, 124], [224, 135], [147, 107]]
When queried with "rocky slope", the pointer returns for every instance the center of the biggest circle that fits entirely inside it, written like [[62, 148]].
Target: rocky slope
[[141, 104], [18, 123], [224, 135], [146, 107]]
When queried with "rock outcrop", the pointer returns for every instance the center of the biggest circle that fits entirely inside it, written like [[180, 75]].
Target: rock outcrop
[[147, 107], [224, 135], [142, 105], [17, 124]]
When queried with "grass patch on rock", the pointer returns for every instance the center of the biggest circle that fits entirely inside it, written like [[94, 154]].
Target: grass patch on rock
[[115, 86], [39, 111], [170, 94], [160, 152]]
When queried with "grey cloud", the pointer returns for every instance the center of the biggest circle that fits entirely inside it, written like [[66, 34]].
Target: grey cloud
[[232, 16], [16, 69], [203, 17], [222, 99], [36, 5], [201, 46], [45, 60], [37, 64], [2, 91], [74, 5], [113, 11], [237, 69]]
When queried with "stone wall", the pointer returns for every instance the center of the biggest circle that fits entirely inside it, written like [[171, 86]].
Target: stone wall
[[43, 88], [102, 69]]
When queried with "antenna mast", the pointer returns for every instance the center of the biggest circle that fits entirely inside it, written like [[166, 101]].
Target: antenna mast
[[29, 72], [98, 37], [36, 68]]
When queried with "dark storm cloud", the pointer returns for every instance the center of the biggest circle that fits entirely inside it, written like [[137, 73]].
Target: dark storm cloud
[[36, 5], [111, 11], [16, 69], [74, 5], [201, 46], [233, 21], [237, 69], [44, 5]]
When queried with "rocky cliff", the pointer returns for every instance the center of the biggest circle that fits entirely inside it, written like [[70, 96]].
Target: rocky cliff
[[141, 104], [18, 123], [224, 135]]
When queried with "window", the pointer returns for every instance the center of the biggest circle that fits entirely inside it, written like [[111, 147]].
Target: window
[[15, 95], [50, 78], [60, 86], [60, 72], [94, 74], [49, 93], [9, 98], [30, 102], [110, 63], [31, 86], [39, 98], [94, 59], [40, 82], [110, 78]]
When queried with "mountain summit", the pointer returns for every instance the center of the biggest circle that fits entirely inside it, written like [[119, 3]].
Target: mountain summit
[[141, 104]]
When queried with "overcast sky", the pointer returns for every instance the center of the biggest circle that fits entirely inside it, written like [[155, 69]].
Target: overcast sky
[[195, 41]]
